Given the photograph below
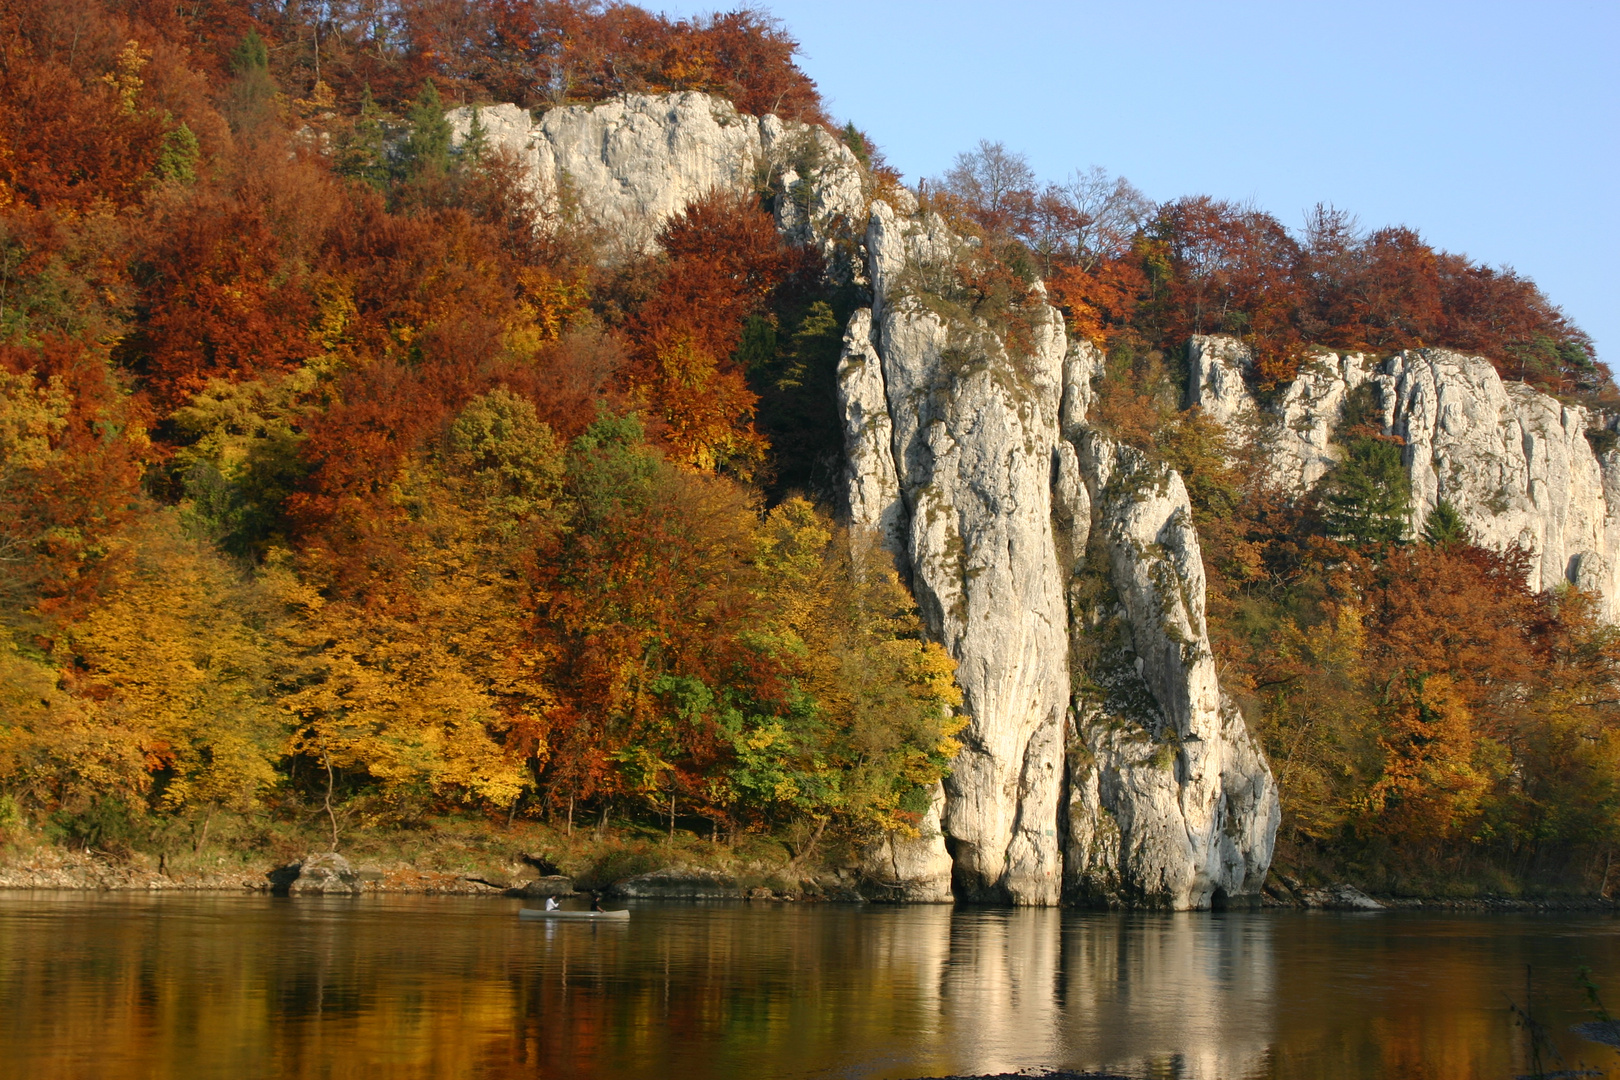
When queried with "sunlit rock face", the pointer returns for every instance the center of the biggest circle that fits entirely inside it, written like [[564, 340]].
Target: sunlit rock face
[[1170, 801], [1516, 464], [629, 164], [1153, 793], [972, 433], [914, 869], [969, 460]]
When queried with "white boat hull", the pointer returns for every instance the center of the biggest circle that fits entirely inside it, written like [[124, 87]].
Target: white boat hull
[[541, 913]]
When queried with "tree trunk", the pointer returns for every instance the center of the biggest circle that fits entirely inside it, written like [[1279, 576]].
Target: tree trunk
[[326, 759], [202, 836], [809, 846]]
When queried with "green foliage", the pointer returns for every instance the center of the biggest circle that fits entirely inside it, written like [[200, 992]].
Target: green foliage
[[610, 469], [1444, 526], [1603, 440], [251, 55], [107, 824], [855, 139], [426, 150], [177, 162], [513, 459], [476, 144], [362, 151], [1367, 497], [11, 816], [240, 460], [792, 362], [250, 97]]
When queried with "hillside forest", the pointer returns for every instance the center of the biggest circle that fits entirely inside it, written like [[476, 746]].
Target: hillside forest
[[346, 489]]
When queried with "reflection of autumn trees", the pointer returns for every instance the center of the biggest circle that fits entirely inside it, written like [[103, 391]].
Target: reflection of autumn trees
[[132, 986]]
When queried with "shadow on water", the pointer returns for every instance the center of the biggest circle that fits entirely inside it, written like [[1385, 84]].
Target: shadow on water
[[126, 986]]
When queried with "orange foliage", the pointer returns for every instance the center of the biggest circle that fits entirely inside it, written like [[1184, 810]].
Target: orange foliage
[[66, 505], [725, 259], [219, 298], [74, 129], [543, 51], [1099, 302]]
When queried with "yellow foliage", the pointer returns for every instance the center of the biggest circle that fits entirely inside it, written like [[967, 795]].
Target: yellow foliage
[[171, 656], [31, 416], [161, 690], [890, 693], [126, 80], [55, 747], [419, 684]]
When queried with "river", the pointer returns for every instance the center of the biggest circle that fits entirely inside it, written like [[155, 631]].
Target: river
[[121, 986]]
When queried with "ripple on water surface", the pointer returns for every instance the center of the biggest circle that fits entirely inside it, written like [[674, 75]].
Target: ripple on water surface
[[119, 987]]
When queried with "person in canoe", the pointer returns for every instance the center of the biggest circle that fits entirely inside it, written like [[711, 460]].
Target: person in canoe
[[596, 902], [551, 903]]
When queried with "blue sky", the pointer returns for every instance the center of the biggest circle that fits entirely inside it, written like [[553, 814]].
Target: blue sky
[[1492, 128]]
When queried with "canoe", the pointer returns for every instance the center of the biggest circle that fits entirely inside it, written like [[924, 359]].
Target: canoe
[[541, 913]]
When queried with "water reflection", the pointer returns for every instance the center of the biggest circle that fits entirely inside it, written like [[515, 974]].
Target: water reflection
[[418, 987]]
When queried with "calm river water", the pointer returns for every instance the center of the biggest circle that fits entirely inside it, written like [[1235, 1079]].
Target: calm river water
[[117, 986]]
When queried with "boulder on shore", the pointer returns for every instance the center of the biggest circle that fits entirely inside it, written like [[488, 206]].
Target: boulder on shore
[[678, 883], [550, 885], [1340, 898], [326, 874]]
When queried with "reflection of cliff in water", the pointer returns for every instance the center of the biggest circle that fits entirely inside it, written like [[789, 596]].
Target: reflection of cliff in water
[[1183, 995], [130, 987]]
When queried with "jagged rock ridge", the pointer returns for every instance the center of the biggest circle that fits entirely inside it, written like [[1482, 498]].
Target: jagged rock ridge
[[983, 479], [627, 165], [972, 464], [1517, 464]]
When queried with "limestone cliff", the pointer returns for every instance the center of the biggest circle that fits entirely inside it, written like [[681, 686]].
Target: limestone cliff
[[1517, 464], [629, 164], [969, 460], [972, 431], [1170, 801], [1102, 760]]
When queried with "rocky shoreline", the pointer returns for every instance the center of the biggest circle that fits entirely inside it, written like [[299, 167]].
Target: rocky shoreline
[[328, 874]]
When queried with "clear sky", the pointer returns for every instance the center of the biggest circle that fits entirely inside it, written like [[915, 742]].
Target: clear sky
[[1492, 128]]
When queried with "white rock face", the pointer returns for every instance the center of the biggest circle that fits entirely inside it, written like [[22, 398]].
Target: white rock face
[[1514, 462], [629, 164], [872, 500], [1003, 485], [1295, 432], [1171, 802], [974, 432], [916, 869]]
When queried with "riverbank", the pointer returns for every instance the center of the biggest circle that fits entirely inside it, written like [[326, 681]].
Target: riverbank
[[727, 875], [474, 856], [449, 857]]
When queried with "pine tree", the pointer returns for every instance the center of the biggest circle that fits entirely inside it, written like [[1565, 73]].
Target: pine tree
[[1444, 526], [476, 144], [1367, 497], [427, 149], [363, 152], [249, 100]]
